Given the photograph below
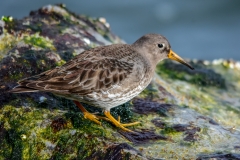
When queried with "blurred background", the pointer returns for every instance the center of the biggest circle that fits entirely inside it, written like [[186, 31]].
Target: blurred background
[[196, 29]]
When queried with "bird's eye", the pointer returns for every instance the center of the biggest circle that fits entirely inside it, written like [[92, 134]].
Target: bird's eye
[[161, 45]]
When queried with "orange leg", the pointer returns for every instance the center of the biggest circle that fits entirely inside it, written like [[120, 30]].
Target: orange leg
[[88, 115], [118, 123], [110, 118]]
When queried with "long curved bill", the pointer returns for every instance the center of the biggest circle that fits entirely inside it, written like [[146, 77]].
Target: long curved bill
[[172, 55]]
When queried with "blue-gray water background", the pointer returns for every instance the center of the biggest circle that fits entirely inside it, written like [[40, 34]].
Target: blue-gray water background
[[196, 29]]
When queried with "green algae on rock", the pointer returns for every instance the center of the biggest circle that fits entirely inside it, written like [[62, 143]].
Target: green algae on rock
[[201, 75], [183, 114]]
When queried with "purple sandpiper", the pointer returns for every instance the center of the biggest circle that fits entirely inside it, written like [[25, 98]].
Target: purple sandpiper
[[105, 76]]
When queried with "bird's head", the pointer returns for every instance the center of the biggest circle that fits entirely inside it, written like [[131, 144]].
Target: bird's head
[[156, 47]]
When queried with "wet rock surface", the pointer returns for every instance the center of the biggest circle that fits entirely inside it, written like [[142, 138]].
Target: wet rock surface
[[143, 106], [184, 114], [142, 136], [220, 156], [120, 151]]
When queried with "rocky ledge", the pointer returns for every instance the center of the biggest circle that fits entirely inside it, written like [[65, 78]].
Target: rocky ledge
[[184, 114]]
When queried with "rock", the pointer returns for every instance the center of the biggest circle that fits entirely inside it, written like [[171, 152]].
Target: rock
[[183, 113]]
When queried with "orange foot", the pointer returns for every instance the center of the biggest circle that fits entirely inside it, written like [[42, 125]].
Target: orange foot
[[88, 115], [109, 118], [118, 123]]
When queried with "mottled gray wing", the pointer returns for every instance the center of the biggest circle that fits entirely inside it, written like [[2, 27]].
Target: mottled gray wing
[[84, 74]]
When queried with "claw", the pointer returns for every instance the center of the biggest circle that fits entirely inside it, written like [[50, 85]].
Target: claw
[[130, 124], [91, 117], [105, 118], [119, 119]]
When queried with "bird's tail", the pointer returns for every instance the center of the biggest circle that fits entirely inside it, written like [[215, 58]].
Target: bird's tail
[[21, 89]]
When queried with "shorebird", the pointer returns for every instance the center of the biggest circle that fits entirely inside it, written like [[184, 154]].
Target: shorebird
[[105, 76]]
